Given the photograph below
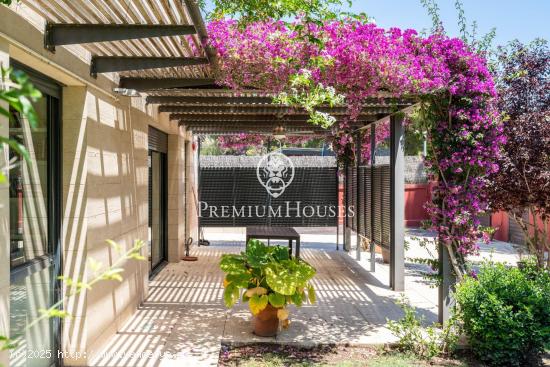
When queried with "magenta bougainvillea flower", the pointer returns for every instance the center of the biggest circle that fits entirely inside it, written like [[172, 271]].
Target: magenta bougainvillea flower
[[360, 60]]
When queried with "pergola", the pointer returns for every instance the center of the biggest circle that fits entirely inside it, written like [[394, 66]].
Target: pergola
[[158, 48]]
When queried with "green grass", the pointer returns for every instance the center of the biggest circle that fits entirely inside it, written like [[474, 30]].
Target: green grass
[[403, 360], [393, 360], [270, 360], [329, 356]]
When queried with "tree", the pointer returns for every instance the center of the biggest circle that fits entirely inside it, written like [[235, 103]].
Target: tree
[[523, 181], [258, 10]]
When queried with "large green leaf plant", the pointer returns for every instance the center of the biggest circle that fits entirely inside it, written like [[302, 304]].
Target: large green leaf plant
[[265, 275]]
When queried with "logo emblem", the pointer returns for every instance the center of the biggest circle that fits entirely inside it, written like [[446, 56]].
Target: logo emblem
[[275, 172]]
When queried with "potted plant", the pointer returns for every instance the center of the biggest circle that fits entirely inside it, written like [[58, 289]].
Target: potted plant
[[269, 280]]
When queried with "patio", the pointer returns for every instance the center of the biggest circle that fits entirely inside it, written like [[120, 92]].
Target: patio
[[184, 321]]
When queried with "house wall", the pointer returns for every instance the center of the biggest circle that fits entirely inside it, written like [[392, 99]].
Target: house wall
[[105, 185]]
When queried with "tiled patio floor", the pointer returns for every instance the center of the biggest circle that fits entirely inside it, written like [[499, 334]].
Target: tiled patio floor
[[184, 314], [183, 321]]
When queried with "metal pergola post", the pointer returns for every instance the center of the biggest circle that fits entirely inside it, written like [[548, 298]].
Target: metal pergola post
[[357, 189], [347, 231], [338, 207], [372, 247], [198, 198], [397, 203]]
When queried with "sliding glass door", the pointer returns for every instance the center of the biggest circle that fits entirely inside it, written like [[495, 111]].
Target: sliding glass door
[[158, 200], [35, 258]]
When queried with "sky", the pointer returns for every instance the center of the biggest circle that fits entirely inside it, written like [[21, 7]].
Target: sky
[[521, 19], [514, 19]]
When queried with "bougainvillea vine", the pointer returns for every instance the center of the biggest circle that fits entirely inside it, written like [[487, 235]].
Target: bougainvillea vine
[[359, 60], [240, 143]]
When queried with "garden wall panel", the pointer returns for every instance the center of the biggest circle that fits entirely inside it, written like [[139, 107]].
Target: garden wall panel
[[374, 202], [238, 187]]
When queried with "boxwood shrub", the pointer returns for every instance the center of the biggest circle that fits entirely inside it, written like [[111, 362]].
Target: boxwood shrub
[[506, 314]]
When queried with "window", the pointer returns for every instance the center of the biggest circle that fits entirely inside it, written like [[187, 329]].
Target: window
[[34, 195]]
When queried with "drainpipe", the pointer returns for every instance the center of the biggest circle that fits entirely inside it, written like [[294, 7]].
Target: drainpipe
[[198, 22]]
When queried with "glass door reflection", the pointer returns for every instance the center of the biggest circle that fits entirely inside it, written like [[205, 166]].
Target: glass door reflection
[[157, 209], [34, 233]]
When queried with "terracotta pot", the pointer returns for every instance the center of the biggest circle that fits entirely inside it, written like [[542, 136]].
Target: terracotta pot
[[266, 323]]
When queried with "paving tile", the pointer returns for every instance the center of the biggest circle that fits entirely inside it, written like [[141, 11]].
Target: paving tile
[[183, 321]]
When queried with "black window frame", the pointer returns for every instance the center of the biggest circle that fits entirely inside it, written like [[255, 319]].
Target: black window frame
[[158, 143], [52, 90]]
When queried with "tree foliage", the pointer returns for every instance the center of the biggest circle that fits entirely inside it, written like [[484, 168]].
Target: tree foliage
[[18, 92], [258, 10], [468, 31], [523, 181]]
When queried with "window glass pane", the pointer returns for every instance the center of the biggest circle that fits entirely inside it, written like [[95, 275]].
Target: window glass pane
[[31, 260], [29, 188], [157, 209]]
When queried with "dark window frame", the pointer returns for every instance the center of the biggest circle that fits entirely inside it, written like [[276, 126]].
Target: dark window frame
[[158, 143], [52, 91]]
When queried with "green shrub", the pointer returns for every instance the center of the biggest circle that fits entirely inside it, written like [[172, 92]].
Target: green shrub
[[506, 314], [423, 342]]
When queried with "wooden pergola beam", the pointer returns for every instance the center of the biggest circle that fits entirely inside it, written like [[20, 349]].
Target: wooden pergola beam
[[253, 128], [108, 64], [251, 117], [57, 34], [227, 109], [197, 99], [248, 109], [142, 84]]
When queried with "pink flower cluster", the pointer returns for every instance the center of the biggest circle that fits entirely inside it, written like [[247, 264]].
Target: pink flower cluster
[[381, 133], [240, 143], [360, 60]]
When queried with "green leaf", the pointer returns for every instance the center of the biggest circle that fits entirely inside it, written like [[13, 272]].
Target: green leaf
[[5, 112], [311, 294], [94, 264], [257, 303], [277, 300], [297, 298], [16, 146], [233, 264], [256, 254], [54, 312], [7, 343], [280, 279], [281, 253], [114, 245], [112, 274], [240, 280], [230, 295], [136, 256], [286, 276]]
